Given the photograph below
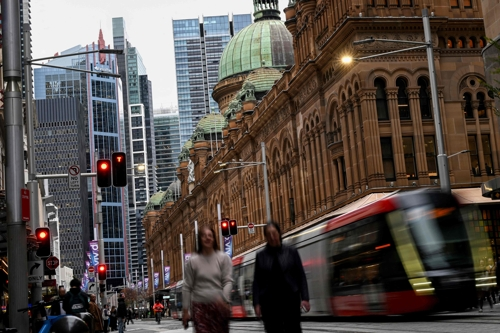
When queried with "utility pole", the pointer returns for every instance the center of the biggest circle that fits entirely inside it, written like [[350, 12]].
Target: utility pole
[[100, 240], [14, 169]]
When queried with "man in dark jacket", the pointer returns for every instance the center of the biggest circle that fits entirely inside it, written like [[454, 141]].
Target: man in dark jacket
[[75, 301], [121, 313], [280, 285], [56, 307]]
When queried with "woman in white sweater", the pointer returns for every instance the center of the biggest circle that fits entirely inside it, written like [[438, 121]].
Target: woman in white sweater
[[208, 281]]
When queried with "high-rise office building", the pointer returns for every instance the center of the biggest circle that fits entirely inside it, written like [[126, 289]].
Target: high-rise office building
[[60, 143], [168, 146], [198, 47], [99, 95], [139, 140]]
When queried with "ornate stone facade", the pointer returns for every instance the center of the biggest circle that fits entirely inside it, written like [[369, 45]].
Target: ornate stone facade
[[337, 133]]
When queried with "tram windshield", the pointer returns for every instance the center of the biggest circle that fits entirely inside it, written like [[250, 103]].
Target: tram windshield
[[440, 236]]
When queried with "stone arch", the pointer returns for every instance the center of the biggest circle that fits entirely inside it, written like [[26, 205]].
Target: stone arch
[[379, 73], [452, 90]]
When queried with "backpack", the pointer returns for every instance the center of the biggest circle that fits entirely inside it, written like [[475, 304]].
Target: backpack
[[77, 303]]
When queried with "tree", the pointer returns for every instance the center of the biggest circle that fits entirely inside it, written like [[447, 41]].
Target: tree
[[494, 91], [131, 296]]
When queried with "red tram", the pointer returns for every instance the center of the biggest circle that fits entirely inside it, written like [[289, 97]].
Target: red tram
[[407, 253]]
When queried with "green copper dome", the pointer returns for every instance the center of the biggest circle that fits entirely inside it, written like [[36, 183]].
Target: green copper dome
[[265, 43], [213, 122], [264, 78], [154, 202]]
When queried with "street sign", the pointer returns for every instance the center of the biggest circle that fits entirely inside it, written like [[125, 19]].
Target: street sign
[[35, 271], [52, 262], [251, 228], [74, 176], [92, 287], [25, 204], [91, 274], [91, 269]]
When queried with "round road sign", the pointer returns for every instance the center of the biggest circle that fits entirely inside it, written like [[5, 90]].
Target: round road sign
[[91, 269], [250, 225], [52, 262]]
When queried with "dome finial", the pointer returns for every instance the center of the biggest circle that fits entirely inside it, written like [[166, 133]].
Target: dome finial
[[266, 10]]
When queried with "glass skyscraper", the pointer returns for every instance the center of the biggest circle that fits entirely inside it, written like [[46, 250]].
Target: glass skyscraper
[[100, 97], [140, 142], [198, 47], [168, 146]]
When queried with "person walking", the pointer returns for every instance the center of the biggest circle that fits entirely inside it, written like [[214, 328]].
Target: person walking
[[207, 286], [280, 285], [130, 315], [113, 320], [96, 313], [121, 314], [75, 301], [105, 318], [56, 307]]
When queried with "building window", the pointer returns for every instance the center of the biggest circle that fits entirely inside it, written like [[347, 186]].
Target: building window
[[481, 108], [409, 153], [430, 155], [474, 158], [488, 160], [387, 159], [468, 105], [467, 3], [454, 3], [451, 43], [424, 98], [381, 100], [344, 173], [403, 103]]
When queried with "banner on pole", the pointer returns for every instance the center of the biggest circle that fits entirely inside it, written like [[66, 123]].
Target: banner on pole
[[156, 281], [146, 282], [167, 275], [228, 246]]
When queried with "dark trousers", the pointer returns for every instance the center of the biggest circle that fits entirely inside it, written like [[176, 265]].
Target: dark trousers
[[105, 325], [282, 314]]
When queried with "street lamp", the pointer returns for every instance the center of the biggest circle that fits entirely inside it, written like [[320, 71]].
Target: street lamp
[[442, 159], [250, 164]]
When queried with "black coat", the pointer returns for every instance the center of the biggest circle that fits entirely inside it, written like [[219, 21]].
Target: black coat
[[291, 266], [67, 298]]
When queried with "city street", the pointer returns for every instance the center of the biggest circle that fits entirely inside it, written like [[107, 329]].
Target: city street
[[471, 321]]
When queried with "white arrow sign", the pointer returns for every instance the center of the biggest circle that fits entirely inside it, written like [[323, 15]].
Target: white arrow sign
[[35, 271], [92, 287]]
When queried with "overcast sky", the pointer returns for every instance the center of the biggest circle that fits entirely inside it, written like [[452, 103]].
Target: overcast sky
[[58, 25]]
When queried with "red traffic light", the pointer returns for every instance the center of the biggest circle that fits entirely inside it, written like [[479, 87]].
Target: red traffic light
[[103, 173], [43, 239], [224, 226], [119, 166], [233, 227], [101, 271]]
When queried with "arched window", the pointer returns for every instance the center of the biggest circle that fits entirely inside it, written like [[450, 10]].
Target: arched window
[[381, 99], [468, 106], [481, 109], [482, 43], [451, 43], [424, 98], [472, 43], [403, 102], [461, 43]]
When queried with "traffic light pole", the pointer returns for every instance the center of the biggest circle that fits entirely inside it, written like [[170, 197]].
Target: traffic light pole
[[14, 168]]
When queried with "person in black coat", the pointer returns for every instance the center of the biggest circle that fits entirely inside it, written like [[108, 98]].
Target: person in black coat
[[280, 285]]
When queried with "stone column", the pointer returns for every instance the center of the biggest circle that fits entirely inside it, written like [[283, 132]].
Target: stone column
[[320, 176], [347, 153], [326, 167], [310, 175], [397, 139], [479, 141], [494, 137], [418, 135]]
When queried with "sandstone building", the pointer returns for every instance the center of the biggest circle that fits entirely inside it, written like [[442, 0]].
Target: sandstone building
[[336, 135]]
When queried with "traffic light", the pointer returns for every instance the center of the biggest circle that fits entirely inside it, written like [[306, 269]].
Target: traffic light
[[101, 271], [43, 240], [102, 288], [233, 227], [119, 167], [103, 173], [224, 225]]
